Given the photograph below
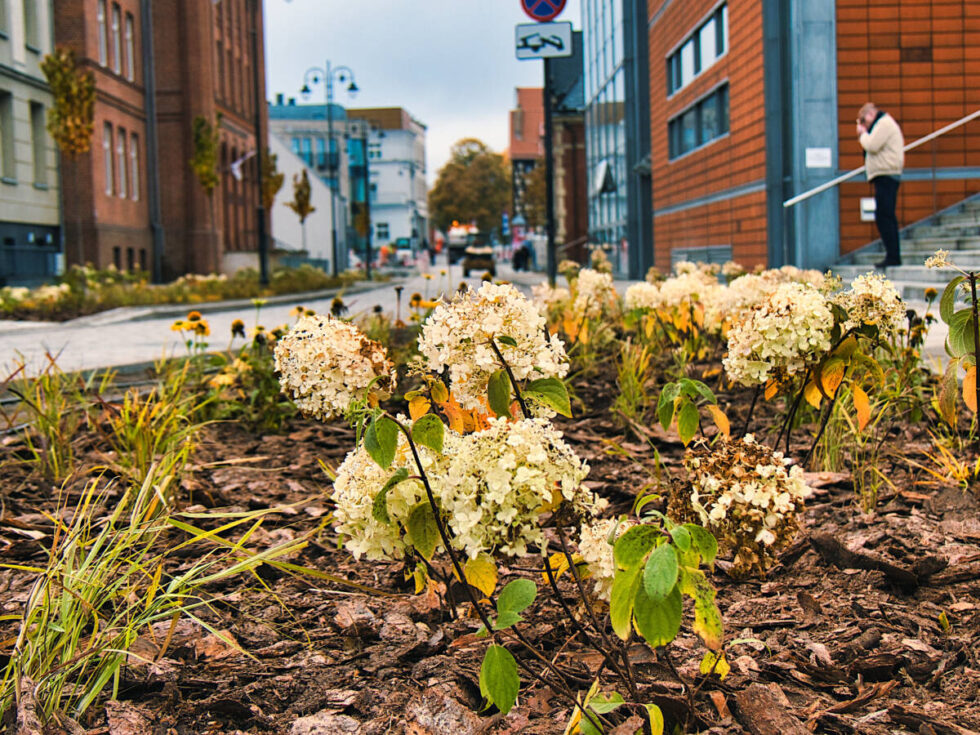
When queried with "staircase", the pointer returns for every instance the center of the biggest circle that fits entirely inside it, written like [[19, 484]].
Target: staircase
[[956, 229]]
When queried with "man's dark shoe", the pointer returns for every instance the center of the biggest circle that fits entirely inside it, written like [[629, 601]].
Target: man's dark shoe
[[887, 263]]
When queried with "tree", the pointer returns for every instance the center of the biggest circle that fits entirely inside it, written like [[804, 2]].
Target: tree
[[71, 119], [474, 186], [272, 178], [206, 137], [302, 193]]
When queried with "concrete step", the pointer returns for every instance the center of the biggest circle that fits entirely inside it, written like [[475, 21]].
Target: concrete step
[[911, 272], [968, 217], [965, 231], [962, 258]]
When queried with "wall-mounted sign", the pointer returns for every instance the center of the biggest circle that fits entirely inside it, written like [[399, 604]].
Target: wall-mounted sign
[[819, 158]]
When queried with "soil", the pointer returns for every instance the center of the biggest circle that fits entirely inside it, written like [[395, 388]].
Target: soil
[[870, 623]]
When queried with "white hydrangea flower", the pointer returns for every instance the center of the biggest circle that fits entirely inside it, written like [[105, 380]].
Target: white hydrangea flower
[[360, 479], [546, 298], [642, 295], [497, 483], [456, 336], [939, 259], [780, 337], [594, 291], [595, 544], [746, 495], [872, 299], [325, 364]]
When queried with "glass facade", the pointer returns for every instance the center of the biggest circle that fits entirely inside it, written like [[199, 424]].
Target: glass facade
[[605, 125]]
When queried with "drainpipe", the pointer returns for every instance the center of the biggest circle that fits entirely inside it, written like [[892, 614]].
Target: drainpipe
[[152, 138]]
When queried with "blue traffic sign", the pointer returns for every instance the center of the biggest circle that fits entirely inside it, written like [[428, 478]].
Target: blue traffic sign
[[543, 10]]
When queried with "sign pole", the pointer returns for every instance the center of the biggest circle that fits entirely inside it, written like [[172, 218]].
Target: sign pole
[[549, 172]]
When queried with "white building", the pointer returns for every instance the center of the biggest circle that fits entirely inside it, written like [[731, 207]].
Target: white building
[[396, 159], [287, 233]]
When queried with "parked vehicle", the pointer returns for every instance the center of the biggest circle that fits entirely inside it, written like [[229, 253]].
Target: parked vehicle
[[479, 258], [404, 253]]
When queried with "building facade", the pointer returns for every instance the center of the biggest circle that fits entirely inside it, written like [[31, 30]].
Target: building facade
[[134, 201], [30, 235], [526, 149], [754, 102], [617, 132]]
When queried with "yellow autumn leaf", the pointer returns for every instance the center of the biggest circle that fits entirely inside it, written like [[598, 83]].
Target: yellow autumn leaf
[[970, 389], [812, 394], [439, 392], [862, 405], [720, 419], [715, 662], [481, 572], [830, 375], [418, 406], [772, 388]]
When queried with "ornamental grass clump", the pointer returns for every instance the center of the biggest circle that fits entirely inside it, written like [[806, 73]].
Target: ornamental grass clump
[[780, 338], [462, 338], [325, 364], [745, 494]]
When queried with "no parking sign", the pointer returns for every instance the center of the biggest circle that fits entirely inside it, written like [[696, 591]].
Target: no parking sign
[[543, 10]]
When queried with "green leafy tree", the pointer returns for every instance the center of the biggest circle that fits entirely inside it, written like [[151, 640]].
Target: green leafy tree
[[302, 194], [71, 119], [206, 137], [474, 186], [272, 178], [536, 196]]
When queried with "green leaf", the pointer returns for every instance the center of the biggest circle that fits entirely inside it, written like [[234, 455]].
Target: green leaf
[[704, 542], [707, 616], [381, 440], [665, 405], [947, 304], [379, 509], [688, 421], [660, 572], [552, 393], [695, 388], [621, 600], [423, 529], [656, 719], [428, 431], [506, 619], [585, 727], [682, 537], [633, 546], [499, 681], [601, 704], [505, 340], [658, 621], [498, 393], [960, 341], [517, 595]]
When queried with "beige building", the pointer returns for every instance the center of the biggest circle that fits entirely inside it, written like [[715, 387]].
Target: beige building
[[30, 237]]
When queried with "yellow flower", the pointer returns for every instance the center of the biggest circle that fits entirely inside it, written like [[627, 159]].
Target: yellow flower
[[222, 380], [427, 276], [931, 294], [193, 316], [297, 310], [238, 328], [178, 326], [258, 302], [202, 328]]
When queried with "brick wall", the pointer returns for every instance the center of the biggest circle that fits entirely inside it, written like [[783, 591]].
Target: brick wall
[[920, 61], [735, 160]]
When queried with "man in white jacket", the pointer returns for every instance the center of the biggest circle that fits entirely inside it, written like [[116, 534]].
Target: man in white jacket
[[884, 157]]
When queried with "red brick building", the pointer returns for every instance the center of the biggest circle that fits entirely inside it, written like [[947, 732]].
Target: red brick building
[[526, 142], [200, 62], [754, 101]]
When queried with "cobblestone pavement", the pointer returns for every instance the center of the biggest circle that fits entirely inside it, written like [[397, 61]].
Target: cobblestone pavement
[[140, 335]]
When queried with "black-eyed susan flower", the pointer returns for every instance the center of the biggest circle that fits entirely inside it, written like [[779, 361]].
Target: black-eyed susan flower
[[194, 316], [338, 307], [238, 329]]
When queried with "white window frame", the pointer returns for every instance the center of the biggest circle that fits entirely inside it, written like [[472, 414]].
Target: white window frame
[[130, 47], [134, 167], [101, 16], [116, 38], [107, 156], [122, 164]]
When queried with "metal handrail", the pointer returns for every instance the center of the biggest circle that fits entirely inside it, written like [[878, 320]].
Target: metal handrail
[[851, 174]]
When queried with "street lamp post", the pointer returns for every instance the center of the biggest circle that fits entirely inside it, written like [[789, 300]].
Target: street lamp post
[[344, 75]]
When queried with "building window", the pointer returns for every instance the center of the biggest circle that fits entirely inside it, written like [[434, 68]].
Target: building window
[[130, 259], [38, 144], [374, 151], [121, 164], [110, 183], [698, 125], [134, 167], [307, 154], [117, 257], [295, 145], [32, 36], [116, 39], [143, 259], [8, 165], [373, 189], [103, 33], [699, 51], [381, 230], [130, 47]]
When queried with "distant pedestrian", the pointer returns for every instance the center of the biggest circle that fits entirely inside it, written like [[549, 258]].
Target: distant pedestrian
[[884, 157], [430, 251]]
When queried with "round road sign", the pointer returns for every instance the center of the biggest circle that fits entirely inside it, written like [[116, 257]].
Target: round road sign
[[543, 10]]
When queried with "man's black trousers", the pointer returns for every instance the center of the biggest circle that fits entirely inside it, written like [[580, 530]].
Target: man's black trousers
[[886, 194]]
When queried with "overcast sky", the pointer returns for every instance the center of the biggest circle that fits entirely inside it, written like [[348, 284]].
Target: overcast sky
[[450, 63]]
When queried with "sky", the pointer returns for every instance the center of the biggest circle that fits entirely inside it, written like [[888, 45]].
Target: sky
[[450, 63]]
